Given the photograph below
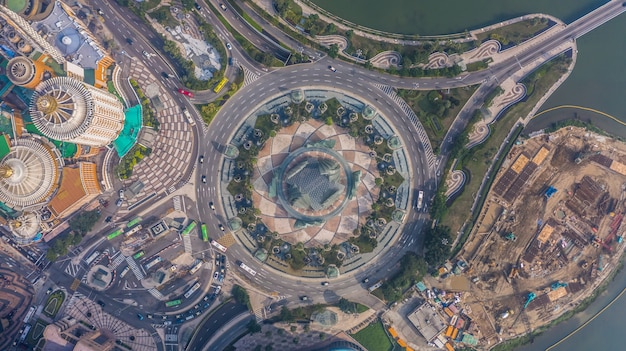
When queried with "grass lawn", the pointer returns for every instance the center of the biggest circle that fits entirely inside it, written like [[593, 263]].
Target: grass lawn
[[479, 158], [428, 108], [515, 33], [374, 338], [53, 304], [36, 333]]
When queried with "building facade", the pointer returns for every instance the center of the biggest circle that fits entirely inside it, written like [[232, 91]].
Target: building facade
[[66, 109]]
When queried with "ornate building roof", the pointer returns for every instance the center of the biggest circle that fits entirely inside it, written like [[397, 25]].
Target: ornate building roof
[[29, 173]]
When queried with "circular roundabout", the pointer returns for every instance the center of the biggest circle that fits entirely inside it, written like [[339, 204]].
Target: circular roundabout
[[313, 181]]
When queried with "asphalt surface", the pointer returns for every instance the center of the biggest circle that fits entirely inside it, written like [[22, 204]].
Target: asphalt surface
[[360, 83], [205, 331]]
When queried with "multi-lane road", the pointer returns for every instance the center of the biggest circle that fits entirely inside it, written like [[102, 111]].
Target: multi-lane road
[[354, 80]]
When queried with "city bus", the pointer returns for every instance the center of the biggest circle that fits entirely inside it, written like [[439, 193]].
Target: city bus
[[133, 222], [247, 269], [205, 236], [133, 231], [220, 85], [218, 246], [192, 290], [139, 254], [92, 258], [173, 303], [189, 228], [115, 234], [124, 271], [196, 268]]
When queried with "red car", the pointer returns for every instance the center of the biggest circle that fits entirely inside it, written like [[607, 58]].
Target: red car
[[185, 92]]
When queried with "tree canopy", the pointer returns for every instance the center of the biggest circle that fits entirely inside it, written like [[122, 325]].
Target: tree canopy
[[84, 222], [437, 245]]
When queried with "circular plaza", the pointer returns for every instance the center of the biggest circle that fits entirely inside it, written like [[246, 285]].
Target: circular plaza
[[316, 179]]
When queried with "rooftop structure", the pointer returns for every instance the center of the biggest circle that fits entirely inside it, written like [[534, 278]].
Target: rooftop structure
[[18, 38], [29, 173], [25, 227], [79, 186], [72, 38], [65, 109], [427, 321], [314, 183], [29, 9], [27, 73], [68, 331]]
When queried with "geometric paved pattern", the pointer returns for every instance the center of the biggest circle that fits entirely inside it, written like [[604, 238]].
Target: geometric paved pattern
[[173, 147], [84, 309]]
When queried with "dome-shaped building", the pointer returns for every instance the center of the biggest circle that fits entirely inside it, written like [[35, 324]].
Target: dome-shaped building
[[29, 173], [25, 227], [66, 109], [27, 73]]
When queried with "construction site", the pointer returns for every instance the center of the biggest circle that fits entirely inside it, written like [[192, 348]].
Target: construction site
[[549, 233]]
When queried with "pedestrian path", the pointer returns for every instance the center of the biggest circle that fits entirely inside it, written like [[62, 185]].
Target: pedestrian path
[[170, 160], [72, 269], [133, 266], [177, 206], [421, 133], [157, 294], [117, 261], [187, 243], [248, 76]]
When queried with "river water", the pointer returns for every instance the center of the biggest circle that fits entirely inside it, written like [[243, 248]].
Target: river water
[[597, 82]]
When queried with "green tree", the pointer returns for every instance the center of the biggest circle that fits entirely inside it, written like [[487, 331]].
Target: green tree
[[437, 245], [285, 316], [333, 51], [187, 4], [253, 327], [241, 295], [84, 222], [160, 14], [346, 306]]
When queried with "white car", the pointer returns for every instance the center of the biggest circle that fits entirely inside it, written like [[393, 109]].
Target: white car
[[146, 54], [228, 46], [121, 192], [216, 275]]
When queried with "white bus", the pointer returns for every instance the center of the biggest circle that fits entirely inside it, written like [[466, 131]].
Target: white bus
[[30, 314], [247, 269], [218, 246], [192, 290], [92, 258], [133, 231], [196, 268], [124, 271]]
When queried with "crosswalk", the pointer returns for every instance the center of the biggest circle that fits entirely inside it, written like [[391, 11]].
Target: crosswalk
[[421, 133], [187, 243], [72, 269], [177, 204], [117, 261], [157, 294], [133, 266], [258, 313], [249, 76]]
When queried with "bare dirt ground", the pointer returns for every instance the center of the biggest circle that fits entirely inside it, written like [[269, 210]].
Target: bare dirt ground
[[531, 256]]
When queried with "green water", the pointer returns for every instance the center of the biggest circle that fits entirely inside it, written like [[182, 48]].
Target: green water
[[598, 80], [448, 16]]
